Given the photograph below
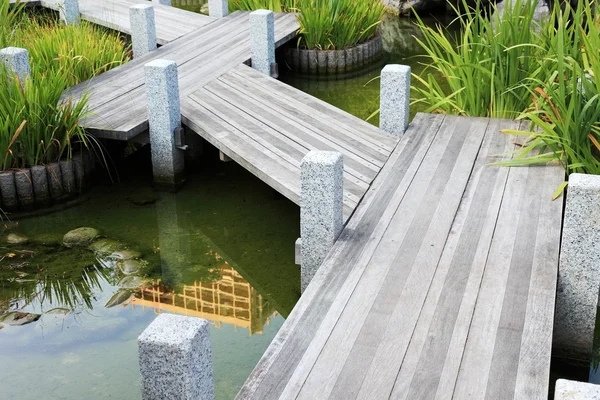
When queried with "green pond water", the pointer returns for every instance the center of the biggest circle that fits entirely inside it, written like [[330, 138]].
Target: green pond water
[[221, 248]]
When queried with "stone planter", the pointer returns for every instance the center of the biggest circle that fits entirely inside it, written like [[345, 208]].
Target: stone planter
[[333, 62], [45, 185]]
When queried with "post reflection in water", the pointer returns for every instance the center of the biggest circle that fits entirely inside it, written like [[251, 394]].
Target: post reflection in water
[[230, 300], [223, 295]]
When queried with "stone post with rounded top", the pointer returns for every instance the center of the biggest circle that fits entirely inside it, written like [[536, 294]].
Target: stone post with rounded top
[[394, 108], [164, 118], [175, 359], [262, 38], [321, 209], [143, 29]]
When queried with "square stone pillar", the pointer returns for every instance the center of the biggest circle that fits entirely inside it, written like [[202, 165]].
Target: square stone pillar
[[69, 12], [579, 269], [394, 108], [164, 117], [321, 209], [162, 2], [176, 359], [143, 29], [16, 60], [218, 8], [262, 38], [573, 390]]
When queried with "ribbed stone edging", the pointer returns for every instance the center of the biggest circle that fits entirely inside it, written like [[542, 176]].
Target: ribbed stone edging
[[42, 186], [332, 62]]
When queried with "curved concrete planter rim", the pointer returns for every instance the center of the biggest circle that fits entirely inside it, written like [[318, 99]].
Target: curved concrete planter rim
[[335, 62], [26, 190]]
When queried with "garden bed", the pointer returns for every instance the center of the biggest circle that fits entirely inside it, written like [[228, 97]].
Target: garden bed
[[334, 62], [42, 186]]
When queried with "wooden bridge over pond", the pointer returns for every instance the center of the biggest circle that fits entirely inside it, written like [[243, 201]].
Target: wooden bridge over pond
[[443, 281]]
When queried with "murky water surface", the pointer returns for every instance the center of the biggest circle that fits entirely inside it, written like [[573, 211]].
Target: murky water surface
[[222, 248]]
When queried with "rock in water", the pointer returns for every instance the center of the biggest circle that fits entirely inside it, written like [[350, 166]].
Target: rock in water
[[17, 318], [119, 298], [143, 197], [80, 237], [15, 238], [131, 282], [130, 267], [105, 246], [126, 254]]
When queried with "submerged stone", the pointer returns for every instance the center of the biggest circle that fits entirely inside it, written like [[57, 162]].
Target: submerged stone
[[120, 297], [15, 238], [17, 318], [126, 254], [131, 282], [130, 267], [105, 246], [80, 237], [143, 197]]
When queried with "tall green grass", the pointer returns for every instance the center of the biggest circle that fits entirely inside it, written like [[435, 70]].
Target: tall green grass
[[512, 67], [36, 127], [485, 66], [565, 109], [326, 24]]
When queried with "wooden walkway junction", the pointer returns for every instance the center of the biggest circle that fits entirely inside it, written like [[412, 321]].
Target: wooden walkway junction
[[441, 285], [171, 23]]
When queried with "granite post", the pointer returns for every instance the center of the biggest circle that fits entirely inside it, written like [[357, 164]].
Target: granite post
[[218, 8], [262, 38], [394, 106], [579, 270], [162, 2], [69, 12], [321, 209], [175, 359], [16, 60], [143, 29], [573, 390], [164, 117]]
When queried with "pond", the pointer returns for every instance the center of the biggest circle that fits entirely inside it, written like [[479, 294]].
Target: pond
[[222, 248]]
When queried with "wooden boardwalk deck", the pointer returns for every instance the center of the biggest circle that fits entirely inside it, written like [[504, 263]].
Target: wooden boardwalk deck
[[268, 127], [201, 56], [171, 23], [441, 286]]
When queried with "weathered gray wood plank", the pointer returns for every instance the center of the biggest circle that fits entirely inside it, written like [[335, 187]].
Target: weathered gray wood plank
[[464, 253], [367, 224], [400, 272], [171, 22], [299, 134]]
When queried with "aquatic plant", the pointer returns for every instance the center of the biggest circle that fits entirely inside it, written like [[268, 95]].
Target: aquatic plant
[[565, 110], [326, 24], [36, 126], [486, 66]]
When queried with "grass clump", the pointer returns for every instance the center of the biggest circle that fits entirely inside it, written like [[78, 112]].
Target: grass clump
[[513, 67], [36, 127], [484, 68], [326, 24]]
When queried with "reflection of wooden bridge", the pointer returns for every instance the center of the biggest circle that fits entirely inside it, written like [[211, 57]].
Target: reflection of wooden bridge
[[230, 300]]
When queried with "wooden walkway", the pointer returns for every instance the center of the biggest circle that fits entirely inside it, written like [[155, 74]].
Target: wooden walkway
[[268, 127], [442, 283], [441, 286], [117, 101], [171, 23]]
